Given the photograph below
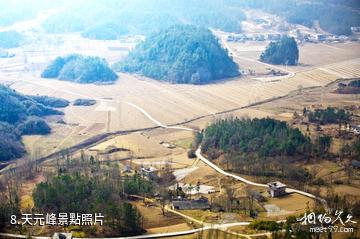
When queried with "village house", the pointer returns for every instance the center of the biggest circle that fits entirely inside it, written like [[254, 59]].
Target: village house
[[355, 129], [149, 172], [127, 169], [276, 189]]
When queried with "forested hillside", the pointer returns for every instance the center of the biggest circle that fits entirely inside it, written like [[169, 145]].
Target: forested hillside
[[265, 137], [17, 10], [80, 69], [181, 54], [10, 39], [283, 52], [334, 19], [335, 16], [266, 147], [105, 31], [21, 115], [111, 20], [258, 147]]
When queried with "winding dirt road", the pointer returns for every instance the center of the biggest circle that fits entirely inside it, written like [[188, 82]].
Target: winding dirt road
[[234, 54]]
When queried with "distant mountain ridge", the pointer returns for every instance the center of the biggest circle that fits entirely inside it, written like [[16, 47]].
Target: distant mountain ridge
[[108, 21]]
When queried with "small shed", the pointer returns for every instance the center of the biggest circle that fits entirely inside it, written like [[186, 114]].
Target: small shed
[[150, 172], [356, 129], [276, 189], [127, 169], [62, 235], [355, 164], [196, 204]]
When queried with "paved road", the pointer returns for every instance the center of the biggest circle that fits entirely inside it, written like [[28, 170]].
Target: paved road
[[206, 226], [198, 151], [142, 110], [218, 169], [288, 190]]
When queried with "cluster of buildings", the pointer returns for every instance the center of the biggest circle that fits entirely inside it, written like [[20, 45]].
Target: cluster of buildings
[[275, 189], [150, 172], [308, 37], [5, 54], [253, 37], [299, 35]]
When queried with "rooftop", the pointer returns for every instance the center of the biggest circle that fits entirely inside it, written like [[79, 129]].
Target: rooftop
[[276, 184]]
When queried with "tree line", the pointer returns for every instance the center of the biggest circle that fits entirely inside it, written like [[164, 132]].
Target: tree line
[[264, 148], [68, 193], [330, 115], [265, 137], [78, 183], [353, 87]]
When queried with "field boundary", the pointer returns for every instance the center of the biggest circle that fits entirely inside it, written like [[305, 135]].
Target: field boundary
[[105, 136]]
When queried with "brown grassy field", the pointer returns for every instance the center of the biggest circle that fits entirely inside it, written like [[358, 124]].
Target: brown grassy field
[[172, 104], [153, 218], [165, 102], [293, 203], [320, 64], [311, 55]]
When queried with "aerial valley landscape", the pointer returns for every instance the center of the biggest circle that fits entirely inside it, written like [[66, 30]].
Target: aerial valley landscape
[[180, 119]]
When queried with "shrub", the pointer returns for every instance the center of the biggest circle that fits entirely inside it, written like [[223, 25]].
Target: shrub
[[84, 102], [271, 226], [51, 101], [34, 125], [191, 154]]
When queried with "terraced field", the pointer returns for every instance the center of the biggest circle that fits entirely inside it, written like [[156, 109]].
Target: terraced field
[[172, 103], [167, 103], [347, 69]]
